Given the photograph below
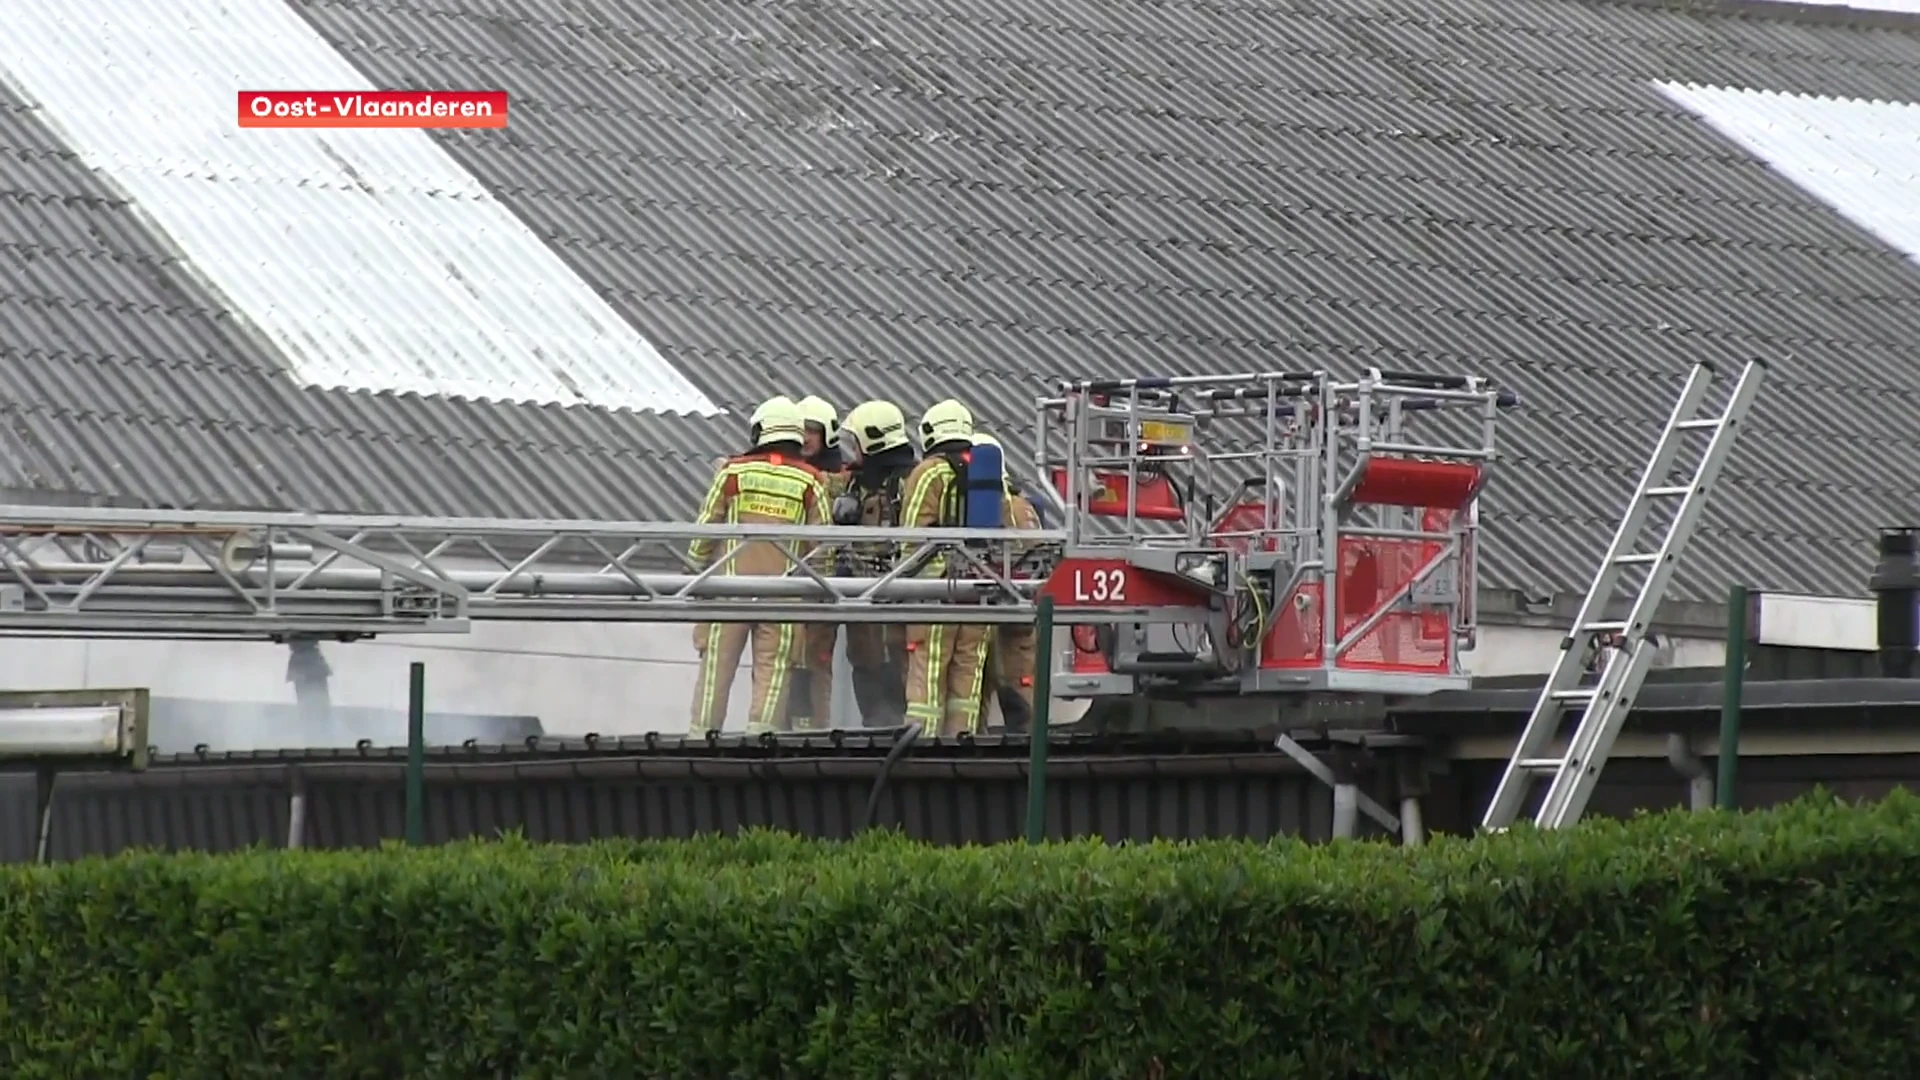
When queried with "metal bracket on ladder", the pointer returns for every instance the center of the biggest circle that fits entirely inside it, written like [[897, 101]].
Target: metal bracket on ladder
[[1623, 646]]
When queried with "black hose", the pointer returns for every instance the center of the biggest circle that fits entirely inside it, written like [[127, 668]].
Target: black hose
[[902, 742]]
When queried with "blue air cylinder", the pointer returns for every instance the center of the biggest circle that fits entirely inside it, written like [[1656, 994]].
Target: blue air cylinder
[[1896, 586], [986, 486]]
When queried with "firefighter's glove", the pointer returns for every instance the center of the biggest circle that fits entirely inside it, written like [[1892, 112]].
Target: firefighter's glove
[[846, 510]]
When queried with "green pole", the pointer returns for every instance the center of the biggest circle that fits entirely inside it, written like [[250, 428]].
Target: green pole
[[1736, 678], [1037, 733], [417, 753]]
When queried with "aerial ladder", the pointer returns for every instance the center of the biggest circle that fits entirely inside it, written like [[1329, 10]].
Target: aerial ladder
[[1271, 533], [1287, 534], [1276, 532]]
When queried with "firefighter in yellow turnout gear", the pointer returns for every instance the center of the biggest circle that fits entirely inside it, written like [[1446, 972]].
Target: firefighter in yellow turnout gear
[[1011, 649], [770, 485], [945, 664], [880, 456], [810, 702]]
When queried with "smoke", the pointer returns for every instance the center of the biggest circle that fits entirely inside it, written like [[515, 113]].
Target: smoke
[[180, 725]]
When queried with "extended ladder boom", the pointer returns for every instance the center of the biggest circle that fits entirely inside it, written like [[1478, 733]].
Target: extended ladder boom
[[1621, 645], [185, 573]]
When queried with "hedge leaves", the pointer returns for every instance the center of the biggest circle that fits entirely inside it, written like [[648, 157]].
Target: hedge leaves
[[1766, 945]]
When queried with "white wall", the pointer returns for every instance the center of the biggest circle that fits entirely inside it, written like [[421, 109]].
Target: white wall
[[607, 678], [619, 678], [1522, 650]]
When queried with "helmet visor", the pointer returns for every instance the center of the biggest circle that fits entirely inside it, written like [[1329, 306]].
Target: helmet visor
[[849, 445]]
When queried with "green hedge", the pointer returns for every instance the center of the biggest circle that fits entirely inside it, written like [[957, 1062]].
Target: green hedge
[[1769, 945]]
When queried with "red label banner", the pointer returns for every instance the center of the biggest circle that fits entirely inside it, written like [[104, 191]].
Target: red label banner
[[373, 109], [1115, 583]]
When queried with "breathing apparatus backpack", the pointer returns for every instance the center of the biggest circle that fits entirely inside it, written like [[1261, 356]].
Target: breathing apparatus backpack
[[980, 476]]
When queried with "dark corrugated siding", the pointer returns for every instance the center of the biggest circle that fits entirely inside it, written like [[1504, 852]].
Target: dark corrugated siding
[[220, 809], [1630, 785], [1780, 662], [223, 808]]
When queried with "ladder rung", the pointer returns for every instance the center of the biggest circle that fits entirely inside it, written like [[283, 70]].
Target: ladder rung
[[1668, 492], [1637, 558], [1541, 764], [1699, 425], [1576, 693], [1605, 627]]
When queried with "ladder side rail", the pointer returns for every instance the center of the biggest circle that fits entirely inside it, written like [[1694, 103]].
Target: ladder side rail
[[1550, 708], [1572, 786], [1693, 505], [22, 519], [75, 586], [353, 617], [1588, 748], [205, 576], [1640, 506], [1600, 727], [1542, 726]]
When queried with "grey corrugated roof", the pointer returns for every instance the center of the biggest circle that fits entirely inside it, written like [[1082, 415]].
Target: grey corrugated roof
[[121, 378], [919, 199]]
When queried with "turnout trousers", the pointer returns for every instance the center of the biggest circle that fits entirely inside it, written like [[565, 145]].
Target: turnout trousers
[[877, 654], [1010, 674], [946, 672], [720, 646], [810, 701]]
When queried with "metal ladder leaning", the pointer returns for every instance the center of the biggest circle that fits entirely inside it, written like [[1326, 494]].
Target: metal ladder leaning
[[1604, 705]]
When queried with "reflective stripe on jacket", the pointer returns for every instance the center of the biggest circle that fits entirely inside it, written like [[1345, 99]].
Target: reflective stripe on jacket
[[930, 502], [760, 489]]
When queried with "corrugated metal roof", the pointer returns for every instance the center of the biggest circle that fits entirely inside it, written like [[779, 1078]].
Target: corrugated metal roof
[[915, 201], [1860, 157], [371, 259]]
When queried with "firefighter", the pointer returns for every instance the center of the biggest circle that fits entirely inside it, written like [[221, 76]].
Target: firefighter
[[769, 485], [810, 700], [822, 443], [1010, 649], [874, 439], [944, 663]]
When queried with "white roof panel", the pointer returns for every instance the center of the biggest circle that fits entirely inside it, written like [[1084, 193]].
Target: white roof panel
[[370, 258], [1860, 157]]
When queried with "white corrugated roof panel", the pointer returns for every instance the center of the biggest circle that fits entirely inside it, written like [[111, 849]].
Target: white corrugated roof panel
[[1860, 157], [371, 258]]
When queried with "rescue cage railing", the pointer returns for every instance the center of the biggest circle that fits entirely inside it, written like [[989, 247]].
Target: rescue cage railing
[[1409, 505], [263, 575], [1402, 501], [1132, 465]]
